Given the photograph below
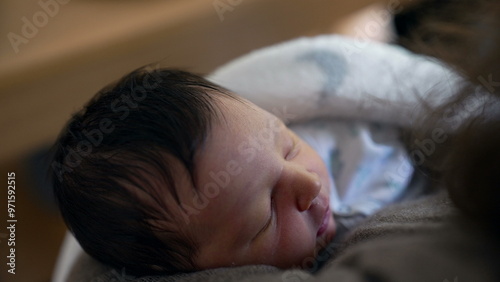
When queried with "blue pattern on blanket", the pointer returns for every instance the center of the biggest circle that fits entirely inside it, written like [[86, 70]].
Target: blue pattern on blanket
[[332, 65], [336, 163]]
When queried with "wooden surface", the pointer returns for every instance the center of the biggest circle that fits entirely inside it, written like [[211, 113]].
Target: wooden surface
[[88, 44]]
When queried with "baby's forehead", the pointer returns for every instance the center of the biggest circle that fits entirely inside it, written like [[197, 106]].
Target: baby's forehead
[[240, 116]]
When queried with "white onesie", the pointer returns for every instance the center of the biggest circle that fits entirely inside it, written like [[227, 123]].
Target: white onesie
[[368, 164]]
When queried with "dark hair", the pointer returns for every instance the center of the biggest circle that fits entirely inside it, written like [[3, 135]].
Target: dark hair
[[132, 134], [464, 33]]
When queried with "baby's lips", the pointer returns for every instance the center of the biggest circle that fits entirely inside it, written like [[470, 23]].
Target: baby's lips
[[324, 222]]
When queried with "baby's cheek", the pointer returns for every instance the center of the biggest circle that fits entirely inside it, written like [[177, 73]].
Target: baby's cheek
[[296, 245]]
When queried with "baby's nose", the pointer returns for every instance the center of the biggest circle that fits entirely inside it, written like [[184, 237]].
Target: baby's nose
[[307, 186]]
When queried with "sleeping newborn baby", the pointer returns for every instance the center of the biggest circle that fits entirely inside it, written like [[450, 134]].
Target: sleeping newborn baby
[[166, 172]]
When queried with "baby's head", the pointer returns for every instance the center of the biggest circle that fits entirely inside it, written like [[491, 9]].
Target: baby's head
[[167, 172]]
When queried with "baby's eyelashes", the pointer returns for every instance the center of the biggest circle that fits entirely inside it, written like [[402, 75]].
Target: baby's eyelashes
[[268, 222]]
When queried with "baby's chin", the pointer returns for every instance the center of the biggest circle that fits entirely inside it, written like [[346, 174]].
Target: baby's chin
[[320, 254], [324, 249], [313, 262]]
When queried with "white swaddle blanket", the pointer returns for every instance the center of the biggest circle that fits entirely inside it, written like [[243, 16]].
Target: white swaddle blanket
[[360, 92], [368, 165]]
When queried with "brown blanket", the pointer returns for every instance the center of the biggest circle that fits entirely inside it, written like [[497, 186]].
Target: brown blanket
[[423, 240]]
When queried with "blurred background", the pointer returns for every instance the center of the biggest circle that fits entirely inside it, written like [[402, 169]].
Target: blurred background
[[56, 54]]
